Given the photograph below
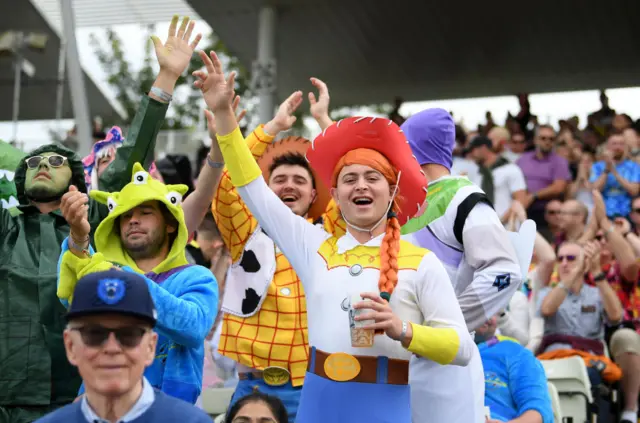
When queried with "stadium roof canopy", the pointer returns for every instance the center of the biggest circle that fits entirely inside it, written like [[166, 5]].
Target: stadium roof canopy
[[370, 52]]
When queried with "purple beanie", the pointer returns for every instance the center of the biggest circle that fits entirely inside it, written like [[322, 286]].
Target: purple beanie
[[432, 136]]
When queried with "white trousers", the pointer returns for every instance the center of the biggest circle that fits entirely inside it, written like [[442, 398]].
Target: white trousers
[[451, 394]]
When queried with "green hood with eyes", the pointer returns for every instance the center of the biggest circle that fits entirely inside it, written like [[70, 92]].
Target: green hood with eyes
[[141, 189]]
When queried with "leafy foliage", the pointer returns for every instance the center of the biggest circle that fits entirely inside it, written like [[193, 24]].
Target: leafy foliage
[[130, 85]]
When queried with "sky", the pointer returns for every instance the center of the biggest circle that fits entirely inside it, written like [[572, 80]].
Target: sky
[[470, 112]]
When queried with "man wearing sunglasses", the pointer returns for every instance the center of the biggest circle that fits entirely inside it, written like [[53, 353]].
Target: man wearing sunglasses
[[110, 339], [35, 376]]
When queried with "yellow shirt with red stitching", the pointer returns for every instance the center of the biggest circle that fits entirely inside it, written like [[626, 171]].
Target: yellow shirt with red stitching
[[277, 334]]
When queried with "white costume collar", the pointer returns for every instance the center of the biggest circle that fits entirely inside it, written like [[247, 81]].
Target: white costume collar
[[348, 242]]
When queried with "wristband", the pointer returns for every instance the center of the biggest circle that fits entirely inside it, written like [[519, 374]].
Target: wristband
[[600, 277], [403, 334], [215, 165], [76, 245], [161, 94]]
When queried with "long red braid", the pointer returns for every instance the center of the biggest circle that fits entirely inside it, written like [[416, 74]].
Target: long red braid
[[390, 245]]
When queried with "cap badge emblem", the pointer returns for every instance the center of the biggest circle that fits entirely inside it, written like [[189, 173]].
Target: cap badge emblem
[[111, 291]]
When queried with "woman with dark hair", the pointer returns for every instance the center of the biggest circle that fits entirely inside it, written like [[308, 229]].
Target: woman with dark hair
[[257, 407]]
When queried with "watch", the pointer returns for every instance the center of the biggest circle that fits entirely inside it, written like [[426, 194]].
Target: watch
[[563, 286], [599, 277], [161, 94]]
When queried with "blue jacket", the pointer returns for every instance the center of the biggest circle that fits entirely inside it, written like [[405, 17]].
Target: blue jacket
[[163, 409], [515, 381]]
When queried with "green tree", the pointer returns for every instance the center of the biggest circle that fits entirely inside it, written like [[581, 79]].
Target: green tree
[[129, 85]]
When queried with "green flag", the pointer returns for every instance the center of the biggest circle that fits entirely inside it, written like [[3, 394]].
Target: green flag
[[9, 159]]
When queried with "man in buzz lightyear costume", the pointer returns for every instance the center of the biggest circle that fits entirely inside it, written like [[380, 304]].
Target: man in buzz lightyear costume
[[462, 229]]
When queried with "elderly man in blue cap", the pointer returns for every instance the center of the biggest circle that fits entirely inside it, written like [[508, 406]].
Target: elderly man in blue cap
[[110, 338], [461, 227]]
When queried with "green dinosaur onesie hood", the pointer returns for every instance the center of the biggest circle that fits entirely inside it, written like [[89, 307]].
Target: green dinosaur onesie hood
[[142, 188]]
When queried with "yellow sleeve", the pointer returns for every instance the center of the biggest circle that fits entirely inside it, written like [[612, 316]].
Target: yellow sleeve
[[437, 344], [241, 164], [233, 218], [74, 268]]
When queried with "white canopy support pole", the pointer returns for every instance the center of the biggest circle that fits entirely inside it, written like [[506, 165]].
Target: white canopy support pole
[[17, 86], [60, 88], [265, 67], [76, 80]]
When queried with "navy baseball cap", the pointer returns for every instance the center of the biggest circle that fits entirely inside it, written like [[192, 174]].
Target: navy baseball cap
[[113, 291]]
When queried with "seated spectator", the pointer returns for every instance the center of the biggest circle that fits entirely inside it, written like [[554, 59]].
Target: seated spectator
[[500, 138], [618, 262], [575, 312], [257, 407], [552, 227], [573, 221], [546, 173], [516, 146], [515, 382], [502, 181], [110, 339], [580, 189], [617, 177], [145, 232]]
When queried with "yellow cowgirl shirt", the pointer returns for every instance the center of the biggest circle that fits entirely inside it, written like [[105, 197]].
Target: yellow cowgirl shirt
[[265, 320]]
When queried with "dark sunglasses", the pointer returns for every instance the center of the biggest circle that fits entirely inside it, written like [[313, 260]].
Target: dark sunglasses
[[569, 258], [54, 160], [96, 336]]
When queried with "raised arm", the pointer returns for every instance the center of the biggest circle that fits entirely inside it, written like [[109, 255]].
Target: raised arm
[[234, 220], [173, 57], [297, 238], [186, 318], [198, 203]]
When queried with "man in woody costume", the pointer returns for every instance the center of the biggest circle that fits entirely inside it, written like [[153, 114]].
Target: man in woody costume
[[35, 375], [462, 228], [265, 323]]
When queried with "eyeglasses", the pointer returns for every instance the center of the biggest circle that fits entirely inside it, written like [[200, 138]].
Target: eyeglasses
[[54, 160], [96, 336], [569, 258]]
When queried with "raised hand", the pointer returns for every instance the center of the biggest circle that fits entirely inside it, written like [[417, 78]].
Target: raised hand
[[217, 91], [211, 121], [622, 225], [320, 108], [284, 118], [175, 54], [592, 256], [75, 209]]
